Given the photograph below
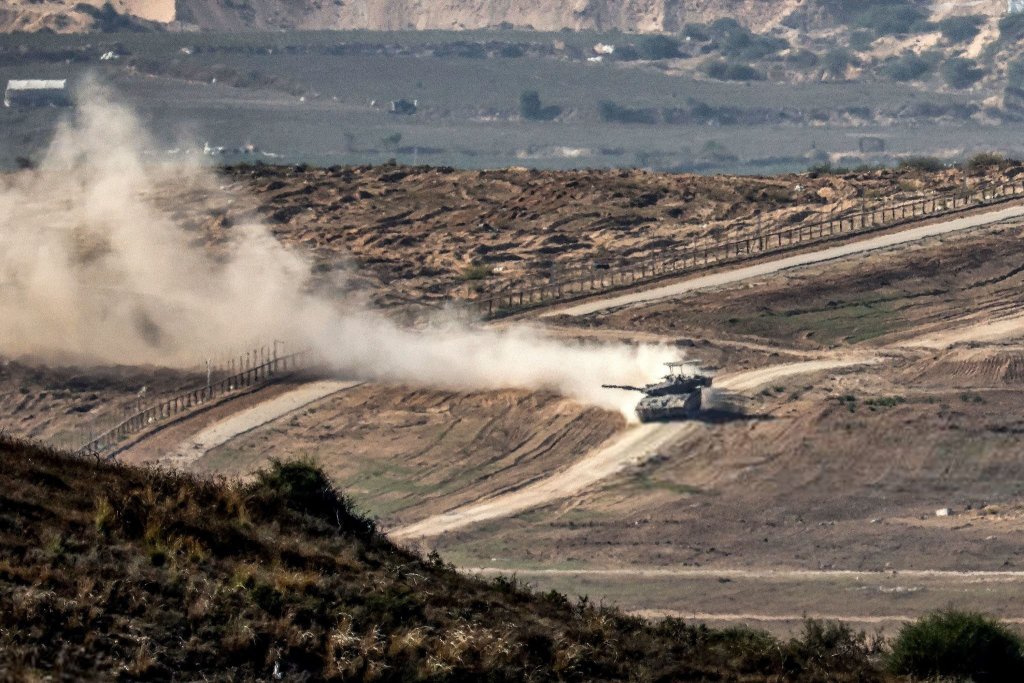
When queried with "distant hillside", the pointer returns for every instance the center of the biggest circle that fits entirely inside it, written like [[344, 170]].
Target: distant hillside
[[633, 16], [638, 16], [109, 572]]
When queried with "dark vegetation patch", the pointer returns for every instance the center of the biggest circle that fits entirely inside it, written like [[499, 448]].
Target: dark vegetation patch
[[955, 645]]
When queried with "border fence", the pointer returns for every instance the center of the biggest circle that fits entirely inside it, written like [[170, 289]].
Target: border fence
[[192, 398], [676, 261]]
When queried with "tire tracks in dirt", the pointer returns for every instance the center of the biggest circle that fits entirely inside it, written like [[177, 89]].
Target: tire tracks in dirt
[[632, 447]]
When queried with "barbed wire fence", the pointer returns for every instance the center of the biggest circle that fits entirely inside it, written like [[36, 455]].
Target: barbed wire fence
[[231, 375], [582, 281]]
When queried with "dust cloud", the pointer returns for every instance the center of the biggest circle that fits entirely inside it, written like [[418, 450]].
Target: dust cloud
[[94, 268]]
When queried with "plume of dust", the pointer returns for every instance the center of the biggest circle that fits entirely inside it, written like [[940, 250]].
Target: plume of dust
[[92, 267]]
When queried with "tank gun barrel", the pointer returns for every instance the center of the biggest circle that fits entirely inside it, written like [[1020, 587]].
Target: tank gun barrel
[[621, 386]]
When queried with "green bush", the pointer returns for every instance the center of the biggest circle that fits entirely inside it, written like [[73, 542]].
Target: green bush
[[477, 272], [983, 161], [961, 29], [922, 163], [531, 109], [907, 67], [802, 59], [616, 113], [730, 71], [836, 61], [861, 40], [958, 645], [961, 72], [1015, 73], [892, 19], [698, 32], [825, 647], [1011, 28], [302, 487], [659, 47]]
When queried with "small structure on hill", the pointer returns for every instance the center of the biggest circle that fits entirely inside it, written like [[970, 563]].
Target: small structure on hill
[[37, 93]]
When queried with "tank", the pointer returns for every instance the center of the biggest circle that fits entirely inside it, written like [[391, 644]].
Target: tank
[[676, 397]]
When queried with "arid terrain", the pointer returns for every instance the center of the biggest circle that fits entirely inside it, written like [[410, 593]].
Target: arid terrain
[[428, 235], [865, 394]]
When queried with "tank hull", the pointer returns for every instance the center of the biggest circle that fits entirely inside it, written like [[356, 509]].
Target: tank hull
[[672, 407]]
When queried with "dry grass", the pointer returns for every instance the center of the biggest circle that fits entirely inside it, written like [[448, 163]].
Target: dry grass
[[111, 572]]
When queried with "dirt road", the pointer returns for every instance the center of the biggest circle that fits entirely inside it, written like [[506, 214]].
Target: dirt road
[[221, 432], [773, 266], [631, 447]]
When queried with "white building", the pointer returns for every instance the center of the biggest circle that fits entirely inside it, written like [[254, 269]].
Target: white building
[[36, 93]]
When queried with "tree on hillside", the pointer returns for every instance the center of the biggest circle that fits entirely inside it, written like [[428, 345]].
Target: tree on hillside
[[836, 62], [961, 29], [961, 72], [659, 47], [531, 109]]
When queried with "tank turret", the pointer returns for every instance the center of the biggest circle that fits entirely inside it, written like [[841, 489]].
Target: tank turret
[[676, 397]]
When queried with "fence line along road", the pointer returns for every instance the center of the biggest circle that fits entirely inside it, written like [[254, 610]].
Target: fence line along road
[[687, 260], [187, 400]]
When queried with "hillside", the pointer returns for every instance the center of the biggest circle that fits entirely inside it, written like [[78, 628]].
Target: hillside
[[632, 16], [108, 571]]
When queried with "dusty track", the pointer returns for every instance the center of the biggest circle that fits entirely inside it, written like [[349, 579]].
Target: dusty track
[[774, 266], [239, 423], [631, 447]]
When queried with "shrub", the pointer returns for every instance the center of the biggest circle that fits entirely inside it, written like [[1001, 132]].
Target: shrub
[[721, 27], [983, 161], [828, 646], [616, 113], [961, 29], [626, 53], [961, 72], [836, 62], [476, 273], [959, 645], [730, 71], [802, 59], [659, 47], [1015, 73], [531, 109], [892, 19], [861, 40], [922, 163], [302, 487], [908, 67], [697, 32], [1011, 28]]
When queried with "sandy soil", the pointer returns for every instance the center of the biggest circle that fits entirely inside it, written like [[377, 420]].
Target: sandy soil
[[634, 447], [423, 235]]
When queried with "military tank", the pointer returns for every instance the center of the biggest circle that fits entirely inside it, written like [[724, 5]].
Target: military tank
[[676, 397]]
